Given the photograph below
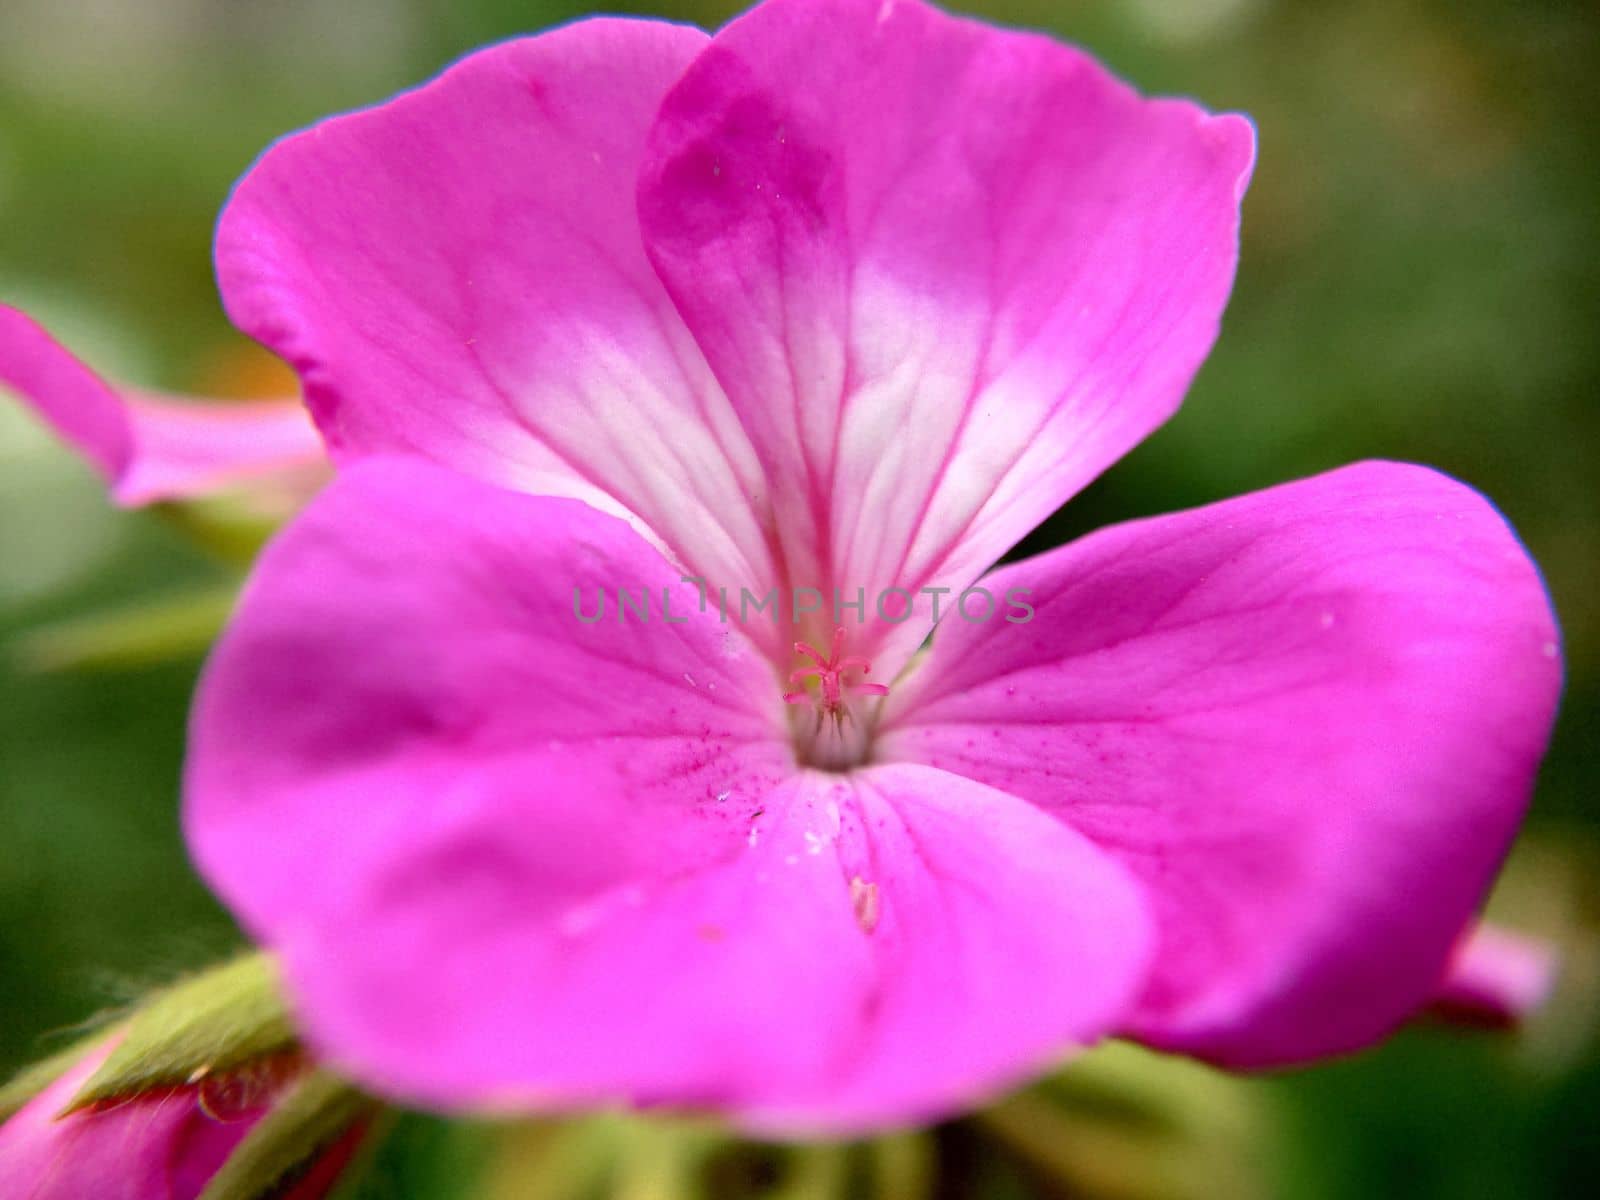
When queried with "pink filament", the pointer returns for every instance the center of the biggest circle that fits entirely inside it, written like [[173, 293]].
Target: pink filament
[[830, 673]]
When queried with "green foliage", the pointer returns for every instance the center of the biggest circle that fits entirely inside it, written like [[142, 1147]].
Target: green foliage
[[180, 626]]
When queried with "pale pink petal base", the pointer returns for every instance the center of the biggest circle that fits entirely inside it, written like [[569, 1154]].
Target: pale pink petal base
[[540, 862], [151, 447], [795, 302], [1307, 719], [1496, 978], [946, 274], [459, 274], [184, 447]]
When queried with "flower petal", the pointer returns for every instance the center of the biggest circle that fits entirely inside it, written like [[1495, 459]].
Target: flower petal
[[415, 623], [458, 273], [513, 859], [151, 447], [1496, 977], [1308, 719], [990, 936], [946, 274], [160, 1144]]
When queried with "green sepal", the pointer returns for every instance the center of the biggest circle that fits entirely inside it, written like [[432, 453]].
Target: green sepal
[[221, 1020], [170, 627], [303, 1124]]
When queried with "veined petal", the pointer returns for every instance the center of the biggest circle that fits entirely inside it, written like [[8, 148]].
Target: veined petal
[[994, 945], [946, 274], [151, 447], [1307, 719], [458, 273], [414, 623], [513, 859]]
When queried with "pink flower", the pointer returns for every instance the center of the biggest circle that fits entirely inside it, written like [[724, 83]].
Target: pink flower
[[152, 447], [159, 1146], [842, 300]]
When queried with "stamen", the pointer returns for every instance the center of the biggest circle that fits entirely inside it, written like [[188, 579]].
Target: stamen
[[834, 677], [836, 739]]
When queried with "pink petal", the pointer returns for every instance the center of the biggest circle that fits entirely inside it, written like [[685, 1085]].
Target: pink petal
[[996, 944], [458, 273], [1496, 977], [151, 447], [158, 1145], [945, 273], [515, 860], [1308, 719]]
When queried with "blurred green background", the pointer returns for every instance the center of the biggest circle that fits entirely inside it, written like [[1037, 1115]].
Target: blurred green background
[[1420, 280]]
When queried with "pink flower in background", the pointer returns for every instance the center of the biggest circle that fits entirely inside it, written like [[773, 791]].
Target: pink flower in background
[[1496, 977], [847, 297], [163, 1145], [152, 447]]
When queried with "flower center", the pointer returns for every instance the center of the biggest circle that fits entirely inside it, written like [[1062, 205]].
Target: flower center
[[832, 723]]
